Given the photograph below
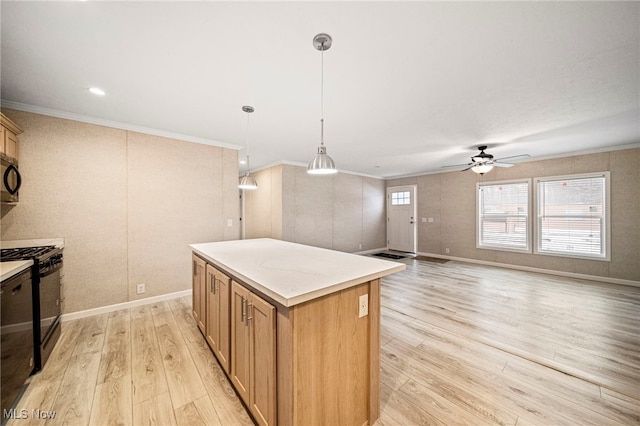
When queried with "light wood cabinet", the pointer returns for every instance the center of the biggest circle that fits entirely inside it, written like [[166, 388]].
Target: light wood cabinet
[[9, 144], [295, 362], [328, 361], [253, 352], [217, 321], [199, 291], [2, 136]]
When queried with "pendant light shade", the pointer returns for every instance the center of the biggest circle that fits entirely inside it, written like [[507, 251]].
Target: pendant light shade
[[247, 181], [322, 164]]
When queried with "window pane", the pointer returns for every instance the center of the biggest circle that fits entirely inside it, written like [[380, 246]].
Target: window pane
[[571, 216], [571, 235], [400, 198], [504, 216]]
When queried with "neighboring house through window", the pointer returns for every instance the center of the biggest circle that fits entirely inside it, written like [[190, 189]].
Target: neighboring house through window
[[573, 216], [503, 215]]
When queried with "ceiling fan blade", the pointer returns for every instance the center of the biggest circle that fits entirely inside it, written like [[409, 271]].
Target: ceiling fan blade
[[514, 157], [469, 168], [455, 166], [498, 164]]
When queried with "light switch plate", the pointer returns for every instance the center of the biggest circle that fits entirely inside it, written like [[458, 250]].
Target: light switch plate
[[363, 306]]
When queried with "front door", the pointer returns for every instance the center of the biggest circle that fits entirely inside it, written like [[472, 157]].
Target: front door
[[401, 218]]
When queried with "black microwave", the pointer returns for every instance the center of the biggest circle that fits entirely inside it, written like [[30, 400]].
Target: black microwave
[[11, 179]]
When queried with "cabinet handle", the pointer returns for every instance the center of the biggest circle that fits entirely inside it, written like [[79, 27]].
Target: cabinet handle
[[249, 309], [242, 313]]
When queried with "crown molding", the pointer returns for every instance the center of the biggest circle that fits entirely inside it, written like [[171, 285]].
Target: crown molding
[[114, 124]]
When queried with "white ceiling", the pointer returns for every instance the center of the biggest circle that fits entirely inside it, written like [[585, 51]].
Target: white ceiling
[[409, 86]]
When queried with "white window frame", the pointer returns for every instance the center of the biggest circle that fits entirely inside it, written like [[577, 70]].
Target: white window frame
[[529, 235], [606, 226]]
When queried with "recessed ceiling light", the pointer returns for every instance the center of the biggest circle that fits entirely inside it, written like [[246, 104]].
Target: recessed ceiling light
[[243, 161], [97, 91]]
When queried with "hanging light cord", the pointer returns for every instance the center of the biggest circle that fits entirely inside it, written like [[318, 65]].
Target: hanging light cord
[[322, 95], [247, 140]]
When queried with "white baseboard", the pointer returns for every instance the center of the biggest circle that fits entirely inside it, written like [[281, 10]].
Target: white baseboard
[[539, 270], [131, 304]]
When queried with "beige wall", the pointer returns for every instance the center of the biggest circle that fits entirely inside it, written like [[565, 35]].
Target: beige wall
[[341, 212], [450, 199], [263, 207], [127, 205]]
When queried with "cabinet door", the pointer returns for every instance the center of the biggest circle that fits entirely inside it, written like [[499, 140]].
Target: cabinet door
[[199, 288], [2, 136], [223, 289], [240, 340], [10, 144], [213, 310], [262, 379]]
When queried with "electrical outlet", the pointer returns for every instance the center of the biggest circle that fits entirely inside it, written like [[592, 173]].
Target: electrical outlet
[[446, 250], [363, 306], [229, 223], [140, 289]]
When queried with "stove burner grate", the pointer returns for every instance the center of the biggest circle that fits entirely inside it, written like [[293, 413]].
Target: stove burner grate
[[24, 253]]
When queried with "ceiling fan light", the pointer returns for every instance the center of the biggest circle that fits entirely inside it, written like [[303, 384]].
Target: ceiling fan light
[[482, 168], [248, 182], [322, 164]]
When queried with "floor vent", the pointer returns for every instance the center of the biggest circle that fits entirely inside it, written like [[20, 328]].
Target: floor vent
[[390, 256]]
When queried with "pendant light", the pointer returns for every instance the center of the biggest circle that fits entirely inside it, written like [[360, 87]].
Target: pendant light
[[322, 164], [247, 181]]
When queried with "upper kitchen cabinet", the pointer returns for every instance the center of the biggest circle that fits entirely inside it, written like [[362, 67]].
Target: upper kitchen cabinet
[[9, 137]]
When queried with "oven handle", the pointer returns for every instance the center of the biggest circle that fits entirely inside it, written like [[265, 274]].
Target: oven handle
[[51, 271]]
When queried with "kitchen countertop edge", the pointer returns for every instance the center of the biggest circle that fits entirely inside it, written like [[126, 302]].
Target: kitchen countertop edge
[[36, 242], [10, 269]]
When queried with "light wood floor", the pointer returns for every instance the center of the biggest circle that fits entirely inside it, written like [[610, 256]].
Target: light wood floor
[[461, 344]]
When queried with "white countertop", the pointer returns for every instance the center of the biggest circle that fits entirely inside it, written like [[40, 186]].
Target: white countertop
[[39, 242], [9, 269], [292, 273]]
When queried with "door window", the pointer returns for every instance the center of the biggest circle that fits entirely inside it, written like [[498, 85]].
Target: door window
[[400, 198]]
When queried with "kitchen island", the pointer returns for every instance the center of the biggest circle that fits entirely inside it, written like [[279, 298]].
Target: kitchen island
[[296, 328]]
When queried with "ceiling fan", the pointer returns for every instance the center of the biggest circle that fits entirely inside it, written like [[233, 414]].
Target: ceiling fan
[[482, 163]]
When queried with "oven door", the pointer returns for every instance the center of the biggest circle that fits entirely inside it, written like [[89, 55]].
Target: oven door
[[49, 295], [10, 180]]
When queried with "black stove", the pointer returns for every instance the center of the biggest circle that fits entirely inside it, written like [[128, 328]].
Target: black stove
[[45, 284], [24, 253]]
